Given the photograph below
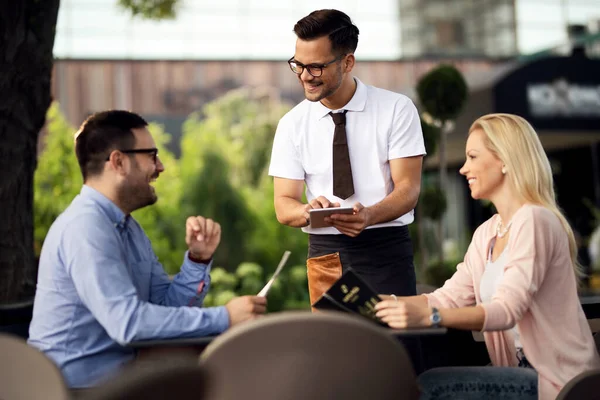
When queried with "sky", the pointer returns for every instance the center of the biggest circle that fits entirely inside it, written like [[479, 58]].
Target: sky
[[262, 29], [222, 29]]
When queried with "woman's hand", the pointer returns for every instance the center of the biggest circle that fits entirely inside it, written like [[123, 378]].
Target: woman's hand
[[401, 314]]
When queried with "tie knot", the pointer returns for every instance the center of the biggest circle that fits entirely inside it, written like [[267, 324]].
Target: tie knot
[[339, 118]]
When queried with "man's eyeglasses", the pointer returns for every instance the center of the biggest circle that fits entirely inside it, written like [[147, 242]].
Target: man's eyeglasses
[[153, 153], [315, 70]]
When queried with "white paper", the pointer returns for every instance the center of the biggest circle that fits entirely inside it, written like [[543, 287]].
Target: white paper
[[284, 259]]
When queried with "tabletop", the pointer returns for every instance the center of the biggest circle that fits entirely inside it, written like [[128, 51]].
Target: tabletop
[[205, 340]]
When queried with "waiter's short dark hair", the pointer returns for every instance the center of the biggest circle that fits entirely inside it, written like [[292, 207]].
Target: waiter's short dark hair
[[335, 24]]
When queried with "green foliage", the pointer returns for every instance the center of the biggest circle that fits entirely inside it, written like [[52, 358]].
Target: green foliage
[[267, 244], [437, 273], [150, 9], [57, 178], [434, 202], [288, 291], [242, 123], [211, 193], [443, 92], [220, 175], [224, 157], [431, 136]]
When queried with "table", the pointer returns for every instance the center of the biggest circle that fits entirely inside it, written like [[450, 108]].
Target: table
[[191, 348], [176, 342], [201, 342]]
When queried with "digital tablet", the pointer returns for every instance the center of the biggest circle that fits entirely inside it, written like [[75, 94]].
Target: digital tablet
[[317, 215]]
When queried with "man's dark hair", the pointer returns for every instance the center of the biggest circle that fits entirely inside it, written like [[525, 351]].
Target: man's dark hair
[[102, 133], [335, 24]]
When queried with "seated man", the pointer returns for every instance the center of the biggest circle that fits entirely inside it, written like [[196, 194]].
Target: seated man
[[100, 285]]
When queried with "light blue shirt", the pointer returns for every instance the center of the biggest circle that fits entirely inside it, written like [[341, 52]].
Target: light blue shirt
[[100, 286]]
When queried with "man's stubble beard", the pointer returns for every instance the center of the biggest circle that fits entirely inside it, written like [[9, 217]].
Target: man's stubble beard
[[330, 92], [136, 197]]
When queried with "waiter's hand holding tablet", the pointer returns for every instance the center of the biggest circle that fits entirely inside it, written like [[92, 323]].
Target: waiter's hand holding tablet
[[317, 215]]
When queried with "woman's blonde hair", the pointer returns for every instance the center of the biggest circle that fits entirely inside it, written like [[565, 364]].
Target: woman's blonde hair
[[514, 141]]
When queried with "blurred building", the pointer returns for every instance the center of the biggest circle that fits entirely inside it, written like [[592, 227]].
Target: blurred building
[[482, 28], [167, 91], [560, 97], [491, 28]]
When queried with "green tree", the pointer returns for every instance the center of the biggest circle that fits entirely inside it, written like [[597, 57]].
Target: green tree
[[27, 30], [288, 292], [245, 120], [26, 41], [431, 135], [261, 239], [442, 94], [225, 151], [208, 187], [58, 177], [150, 9]]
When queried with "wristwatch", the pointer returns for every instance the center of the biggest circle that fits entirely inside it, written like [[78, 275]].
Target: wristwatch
[[435, 318]]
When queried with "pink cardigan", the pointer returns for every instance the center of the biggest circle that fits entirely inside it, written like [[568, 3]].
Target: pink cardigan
[[538, 293]]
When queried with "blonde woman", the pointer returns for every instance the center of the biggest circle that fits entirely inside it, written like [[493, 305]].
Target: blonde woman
[[517, 283]]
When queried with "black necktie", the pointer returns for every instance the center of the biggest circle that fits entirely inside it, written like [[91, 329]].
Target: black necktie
[[343, 186]]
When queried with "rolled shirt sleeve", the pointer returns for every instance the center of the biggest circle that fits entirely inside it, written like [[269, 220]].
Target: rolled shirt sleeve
[[406, 137], [285, 160], [191, 284], [188, 287]]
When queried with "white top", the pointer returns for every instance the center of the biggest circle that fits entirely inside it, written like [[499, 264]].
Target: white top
[[491, 278], [380, 126]]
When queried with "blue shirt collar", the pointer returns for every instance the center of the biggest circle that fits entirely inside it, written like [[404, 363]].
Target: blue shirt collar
[[114, 213], [356, 103]]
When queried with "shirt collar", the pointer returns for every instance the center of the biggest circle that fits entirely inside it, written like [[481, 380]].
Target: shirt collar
[[356, 103], [114, 213]]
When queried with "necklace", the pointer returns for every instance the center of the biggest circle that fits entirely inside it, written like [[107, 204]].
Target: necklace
[[502, 232]]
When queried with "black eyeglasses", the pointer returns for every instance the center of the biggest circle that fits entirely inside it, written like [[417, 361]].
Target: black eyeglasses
[[153, 153], [315, 70]]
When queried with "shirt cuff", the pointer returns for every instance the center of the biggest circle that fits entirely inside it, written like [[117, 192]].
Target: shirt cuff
[[195, 265], [221, 318], [433, 301]]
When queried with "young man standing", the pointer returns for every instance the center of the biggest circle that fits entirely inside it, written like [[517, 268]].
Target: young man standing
[[352, 145]]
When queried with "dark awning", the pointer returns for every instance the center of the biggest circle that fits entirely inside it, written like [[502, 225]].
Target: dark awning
[[559, 96]]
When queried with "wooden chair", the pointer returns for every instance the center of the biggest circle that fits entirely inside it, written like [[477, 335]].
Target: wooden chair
[[301, 355], [27, 374]]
